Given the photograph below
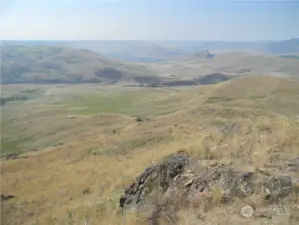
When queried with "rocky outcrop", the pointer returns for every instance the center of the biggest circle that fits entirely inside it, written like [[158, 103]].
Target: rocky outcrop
[[181, 178], [158, 177]]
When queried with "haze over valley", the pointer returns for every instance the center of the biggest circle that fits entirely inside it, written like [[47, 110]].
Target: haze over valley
[[52, 62]]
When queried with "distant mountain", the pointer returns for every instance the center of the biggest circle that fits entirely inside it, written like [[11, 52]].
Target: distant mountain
[[47, 64], [175, 63], [274, 47], [134, 51], [157, 51], [141, 51]]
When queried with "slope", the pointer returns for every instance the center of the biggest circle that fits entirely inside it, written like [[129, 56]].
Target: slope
[[276, 94], [80, 180], [40, 64]]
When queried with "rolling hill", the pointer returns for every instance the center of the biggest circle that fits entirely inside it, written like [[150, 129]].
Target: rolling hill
[[276, 94], [44, 64], [228, 63], [54, 64]]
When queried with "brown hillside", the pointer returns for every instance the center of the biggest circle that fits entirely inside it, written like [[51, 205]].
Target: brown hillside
[[96, 151]]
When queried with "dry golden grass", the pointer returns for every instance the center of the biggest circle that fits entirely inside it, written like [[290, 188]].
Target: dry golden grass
[[274, 94], [70, 184]]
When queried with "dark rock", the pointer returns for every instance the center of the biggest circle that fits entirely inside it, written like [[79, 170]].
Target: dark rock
[[86, 191], [12, 156], [293, 164], [138, 119], [279, 187], [181, 177], [7, 197], [229, 128], [157, 177]]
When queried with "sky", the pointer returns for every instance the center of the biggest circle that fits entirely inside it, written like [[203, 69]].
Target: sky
[[148, 20]]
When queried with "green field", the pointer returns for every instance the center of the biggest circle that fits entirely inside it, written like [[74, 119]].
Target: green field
[[54, 112], [51, 114], [135, 103]]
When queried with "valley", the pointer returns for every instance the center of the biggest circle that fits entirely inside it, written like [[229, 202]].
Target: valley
[[149, 112], [69, 150]]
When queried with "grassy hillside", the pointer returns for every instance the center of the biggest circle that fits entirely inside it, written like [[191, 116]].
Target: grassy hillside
[[93, 141], [273, 93], [42, 64], [20, 117], [68, 105], [46, 64]]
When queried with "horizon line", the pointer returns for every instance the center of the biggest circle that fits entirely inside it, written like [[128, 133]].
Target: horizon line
[[147, 40]]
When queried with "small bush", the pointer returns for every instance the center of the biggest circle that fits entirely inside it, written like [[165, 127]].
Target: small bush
[[138, 119], [86, 191]]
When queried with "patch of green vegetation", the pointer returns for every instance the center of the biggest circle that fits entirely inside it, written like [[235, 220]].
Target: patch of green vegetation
[[29, 91], [14, 146], [218, 99], [131, 103], [91, 103], [226, 99], [5, 100], [21, 96], [32, 93]]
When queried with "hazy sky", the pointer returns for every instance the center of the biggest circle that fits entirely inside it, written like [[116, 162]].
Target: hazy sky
[[148, 19]]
